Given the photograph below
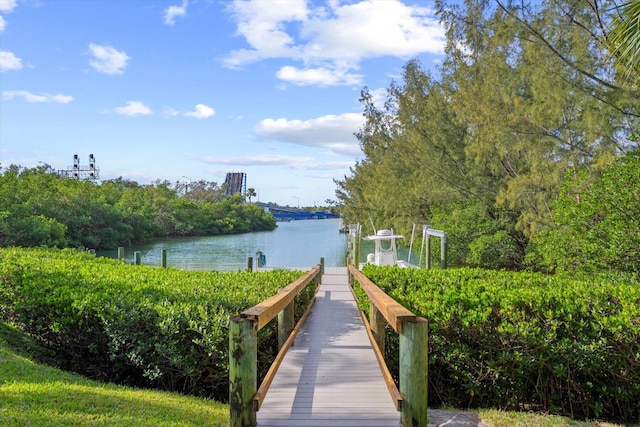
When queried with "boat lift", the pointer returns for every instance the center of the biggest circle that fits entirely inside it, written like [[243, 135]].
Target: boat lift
[[427, 232], [385, 252]]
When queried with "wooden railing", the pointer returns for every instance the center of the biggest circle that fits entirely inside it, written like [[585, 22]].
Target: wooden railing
[[245, 398], [411, 398]]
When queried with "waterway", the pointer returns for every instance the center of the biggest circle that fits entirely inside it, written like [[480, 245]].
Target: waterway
[[292, 244]]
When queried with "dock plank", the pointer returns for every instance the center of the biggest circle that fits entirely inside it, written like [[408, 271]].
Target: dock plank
[[330, 377]]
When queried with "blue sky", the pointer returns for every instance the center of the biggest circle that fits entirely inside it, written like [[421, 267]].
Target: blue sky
[[193, 89]]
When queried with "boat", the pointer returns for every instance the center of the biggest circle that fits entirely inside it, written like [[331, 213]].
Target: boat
[[386, 251]]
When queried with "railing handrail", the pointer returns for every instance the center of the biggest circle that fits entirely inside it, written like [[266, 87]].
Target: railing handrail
[[266, 310], [245, 397], [261, 393], [413, 347], [394, 312]]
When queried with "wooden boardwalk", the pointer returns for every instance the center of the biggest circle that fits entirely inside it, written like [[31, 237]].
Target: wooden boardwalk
[[330, 377]]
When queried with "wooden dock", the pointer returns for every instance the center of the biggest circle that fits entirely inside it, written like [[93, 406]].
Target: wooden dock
[[330, 377]]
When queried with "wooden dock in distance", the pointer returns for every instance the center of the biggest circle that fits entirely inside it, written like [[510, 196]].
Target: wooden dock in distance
[[330, 377]]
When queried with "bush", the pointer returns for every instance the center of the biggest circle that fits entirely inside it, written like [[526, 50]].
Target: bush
[[136, 325], [516, 340], [597, 223], [35, 230], [498, 251], [480, 237]]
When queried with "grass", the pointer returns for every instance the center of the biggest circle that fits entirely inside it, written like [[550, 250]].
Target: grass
[[496, 418], [33, 394]]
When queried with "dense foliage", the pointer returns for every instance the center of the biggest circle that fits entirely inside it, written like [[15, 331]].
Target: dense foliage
[[526, 101], [525, 340], [137, 325], [597, 222], [40, 208]]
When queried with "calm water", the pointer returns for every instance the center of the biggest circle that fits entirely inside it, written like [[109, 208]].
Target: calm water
[[291, 244]]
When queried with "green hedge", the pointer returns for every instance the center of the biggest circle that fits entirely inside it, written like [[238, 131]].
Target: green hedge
[[136, 325], [525, 340]]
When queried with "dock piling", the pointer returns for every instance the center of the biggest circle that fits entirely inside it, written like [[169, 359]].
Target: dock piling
[[163, 258]]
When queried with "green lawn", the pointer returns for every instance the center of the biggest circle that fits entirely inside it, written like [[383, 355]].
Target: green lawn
[[33, 394], [495, 418]]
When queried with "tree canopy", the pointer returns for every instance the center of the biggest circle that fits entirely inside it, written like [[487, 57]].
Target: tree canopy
[[525, 100], [40, 208]]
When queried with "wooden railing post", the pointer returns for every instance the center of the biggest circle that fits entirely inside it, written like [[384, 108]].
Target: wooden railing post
[[354, 245], [243, 376], [413, 372], [378, 325], [136, 258], [163, 258], [286, 323], [120, 253]]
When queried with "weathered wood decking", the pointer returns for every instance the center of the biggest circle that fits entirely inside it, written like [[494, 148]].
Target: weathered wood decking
[[330, 377]]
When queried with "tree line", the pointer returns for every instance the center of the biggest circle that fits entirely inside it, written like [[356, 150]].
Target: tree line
[[40, 208], [521, 144]]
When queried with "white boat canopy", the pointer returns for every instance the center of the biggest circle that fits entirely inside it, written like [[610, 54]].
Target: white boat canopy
[[384, 235], [385, 248]]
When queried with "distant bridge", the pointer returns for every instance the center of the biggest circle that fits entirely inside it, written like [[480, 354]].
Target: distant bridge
[[286, 213], [236, 182]]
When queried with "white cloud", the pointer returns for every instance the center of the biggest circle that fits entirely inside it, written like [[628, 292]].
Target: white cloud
[[262, 24], [201, 112], [9, 62], [35, 98], [108, 60], [334, 132], [8, 5], [375, 28], [331, 40], [133, 108], [318, 76], [172, 12]]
